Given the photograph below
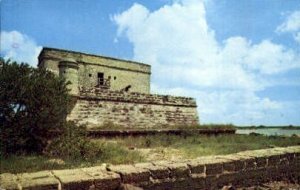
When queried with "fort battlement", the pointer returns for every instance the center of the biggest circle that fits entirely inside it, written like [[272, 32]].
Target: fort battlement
[[155, 99]]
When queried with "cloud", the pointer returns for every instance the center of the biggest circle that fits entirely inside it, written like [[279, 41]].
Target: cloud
[[187, 60], [291, 25], [229, 106], [19, 47], [270, 58]]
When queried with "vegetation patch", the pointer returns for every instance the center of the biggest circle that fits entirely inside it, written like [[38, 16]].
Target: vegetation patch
[[33, 102], [34, 135], [287, 127], [111, 126], [193, 146], [140, 149]]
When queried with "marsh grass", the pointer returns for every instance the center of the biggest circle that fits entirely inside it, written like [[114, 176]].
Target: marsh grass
[[195, 145], [126, 150]]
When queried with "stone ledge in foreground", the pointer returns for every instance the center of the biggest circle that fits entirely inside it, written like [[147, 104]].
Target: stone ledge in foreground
[[240, 169]]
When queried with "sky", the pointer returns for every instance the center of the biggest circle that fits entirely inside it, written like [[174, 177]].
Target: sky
[[240, 60]]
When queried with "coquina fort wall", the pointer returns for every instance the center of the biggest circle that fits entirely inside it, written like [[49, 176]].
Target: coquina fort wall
[[133, 110], [109, 90]]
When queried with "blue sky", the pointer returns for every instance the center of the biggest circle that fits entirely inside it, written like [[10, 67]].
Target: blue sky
[[239, 59]]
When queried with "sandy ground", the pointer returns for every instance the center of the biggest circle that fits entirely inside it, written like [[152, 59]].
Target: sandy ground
[[154, 154]]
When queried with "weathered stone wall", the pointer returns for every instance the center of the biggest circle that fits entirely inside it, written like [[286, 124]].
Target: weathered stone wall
[[119, 79], [133, 110], [121, 72], [69, 70], [241, 169]]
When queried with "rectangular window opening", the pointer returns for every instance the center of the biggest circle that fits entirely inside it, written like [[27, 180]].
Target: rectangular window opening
[[100, 78]]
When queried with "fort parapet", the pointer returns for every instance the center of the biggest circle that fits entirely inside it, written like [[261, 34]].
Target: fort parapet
[[133, 110]]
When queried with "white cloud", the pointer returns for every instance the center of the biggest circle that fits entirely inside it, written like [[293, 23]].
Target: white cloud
[[229, 106], [183, 51], [270, 58], [292, 25], [19, 47]]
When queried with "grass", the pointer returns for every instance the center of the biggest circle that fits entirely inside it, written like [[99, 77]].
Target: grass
[[111, 153], [195, 146], [115, 154], [149, 148], [112, 126]]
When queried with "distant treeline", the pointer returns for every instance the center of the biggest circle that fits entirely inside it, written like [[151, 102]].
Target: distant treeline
[[286, 127]]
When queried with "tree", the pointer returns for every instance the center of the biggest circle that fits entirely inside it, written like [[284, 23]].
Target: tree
[[33, 102]]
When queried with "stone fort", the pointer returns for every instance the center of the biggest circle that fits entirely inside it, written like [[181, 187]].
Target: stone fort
[[109, 90]]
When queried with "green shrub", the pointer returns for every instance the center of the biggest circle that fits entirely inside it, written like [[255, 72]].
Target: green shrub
[[33, 101], [73, 144]]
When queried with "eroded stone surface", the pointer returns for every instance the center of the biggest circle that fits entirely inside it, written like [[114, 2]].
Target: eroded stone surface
[[213, 164], [130, 173], [238, 162], [196, 166], [133, 110], [74, 179], [103, 179], [156, 171], [38, 180], [177, 169], [8, 181]]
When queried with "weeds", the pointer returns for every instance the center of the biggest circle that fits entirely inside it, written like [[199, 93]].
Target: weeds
[[200, 145], [125, 150]]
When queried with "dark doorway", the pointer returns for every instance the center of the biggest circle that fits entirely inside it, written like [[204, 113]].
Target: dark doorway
[[100, 78]]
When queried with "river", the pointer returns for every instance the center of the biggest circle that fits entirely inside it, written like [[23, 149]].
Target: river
[[270, 131]]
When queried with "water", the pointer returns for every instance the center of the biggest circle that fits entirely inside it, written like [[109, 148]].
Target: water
[[279, 131]]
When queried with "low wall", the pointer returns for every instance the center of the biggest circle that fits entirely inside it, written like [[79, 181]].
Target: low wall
[[133, 110], [240, 169]]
